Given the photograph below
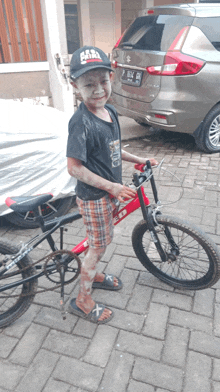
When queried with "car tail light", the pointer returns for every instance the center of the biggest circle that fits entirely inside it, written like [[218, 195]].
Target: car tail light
[[177, 63], [150, 11]]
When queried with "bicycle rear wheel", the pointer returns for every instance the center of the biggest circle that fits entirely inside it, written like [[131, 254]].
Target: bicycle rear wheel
[[15, 301], [196, 267]]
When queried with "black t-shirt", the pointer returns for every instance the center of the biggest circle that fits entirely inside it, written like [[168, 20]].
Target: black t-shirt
[[97, 144]]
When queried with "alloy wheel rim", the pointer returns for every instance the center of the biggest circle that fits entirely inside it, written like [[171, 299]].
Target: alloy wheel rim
[[214, 132]]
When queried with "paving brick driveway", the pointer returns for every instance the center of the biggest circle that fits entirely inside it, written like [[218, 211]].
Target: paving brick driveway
[[160, 339]]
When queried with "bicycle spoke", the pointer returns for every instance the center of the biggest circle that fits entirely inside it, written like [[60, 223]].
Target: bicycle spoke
[[192, 262]]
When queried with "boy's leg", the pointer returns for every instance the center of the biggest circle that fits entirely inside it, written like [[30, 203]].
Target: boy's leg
[[98, 219], [88, 271]]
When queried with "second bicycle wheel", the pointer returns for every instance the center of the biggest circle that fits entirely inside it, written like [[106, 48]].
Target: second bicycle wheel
[[15, 301], [197, 266]]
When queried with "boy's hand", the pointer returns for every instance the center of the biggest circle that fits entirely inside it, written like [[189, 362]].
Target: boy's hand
[[122, 192], [153, 161]]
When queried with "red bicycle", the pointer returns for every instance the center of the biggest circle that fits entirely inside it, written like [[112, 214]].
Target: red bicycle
[[174, 250]]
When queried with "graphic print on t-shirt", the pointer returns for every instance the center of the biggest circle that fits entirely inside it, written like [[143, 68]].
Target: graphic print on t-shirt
[[115, 153]]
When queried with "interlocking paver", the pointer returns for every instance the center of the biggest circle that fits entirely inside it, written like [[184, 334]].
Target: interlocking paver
[[156, 322], [29, 345], [56, 386], [52, 318], [10, 375], [203, 302], [38, 372], [175, 347], [139, 387], [128, 278], [198, 372], [117, 372], [158, 374], [7, 344], [78, 373], [204, 343], [191, 320], [101, 346], [216, 387], [127, 320], [18, 329], [146, 279], [85, 329], [140, 299], [116, 265], [139, 345], [66, 344], [217, 320], [216, 369], [173, 300], [161, 339]]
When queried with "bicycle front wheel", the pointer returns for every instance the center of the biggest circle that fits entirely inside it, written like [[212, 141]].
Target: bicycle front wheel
[[197, 263], [15, 301]]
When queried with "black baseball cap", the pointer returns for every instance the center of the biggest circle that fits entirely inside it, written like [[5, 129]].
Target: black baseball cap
[[87, 58]]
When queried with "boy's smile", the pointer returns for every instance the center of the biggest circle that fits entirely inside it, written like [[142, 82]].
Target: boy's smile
[[95, 88]]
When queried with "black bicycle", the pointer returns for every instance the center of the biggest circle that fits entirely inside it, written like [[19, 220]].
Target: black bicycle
[[174, 250]]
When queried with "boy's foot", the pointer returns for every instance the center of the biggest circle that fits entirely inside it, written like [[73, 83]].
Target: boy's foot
[[107, 282], [99, 313]]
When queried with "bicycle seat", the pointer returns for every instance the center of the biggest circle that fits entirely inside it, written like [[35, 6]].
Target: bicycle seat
[[27, 203]]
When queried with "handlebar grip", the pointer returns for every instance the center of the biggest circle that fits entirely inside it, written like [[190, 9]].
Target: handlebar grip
[[148, 164], [140, 167]]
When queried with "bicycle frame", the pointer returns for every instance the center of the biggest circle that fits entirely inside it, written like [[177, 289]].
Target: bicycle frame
[[118, 216], [139, 201]]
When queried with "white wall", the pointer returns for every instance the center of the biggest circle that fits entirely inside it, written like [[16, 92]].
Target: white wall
[[55, 41]]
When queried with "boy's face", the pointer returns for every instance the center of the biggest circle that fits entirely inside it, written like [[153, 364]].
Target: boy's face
[[95, 88]]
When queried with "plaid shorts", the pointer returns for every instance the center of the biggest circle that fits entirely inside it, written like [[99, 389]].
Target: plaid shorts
[[98, 219]]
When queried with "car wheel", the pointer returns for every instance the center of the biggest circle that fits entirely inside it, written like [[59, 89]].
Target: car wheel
[[209, 136], [49, 211]]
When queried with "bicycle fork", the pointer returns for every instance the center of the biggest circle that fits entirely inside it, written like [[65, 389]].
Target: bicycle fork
[[148, 217]]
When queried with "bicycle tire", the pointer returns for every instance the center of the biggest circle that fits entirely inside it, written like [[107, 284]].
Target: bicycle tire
[[198, 264], [14, 306]]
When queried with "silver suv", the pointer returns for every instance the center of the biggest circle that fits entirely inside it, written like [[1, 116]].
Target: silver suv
[[167, 71]]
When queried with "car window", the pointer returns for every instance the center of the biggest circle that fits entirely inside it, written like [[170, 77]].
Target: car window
[[154, 32], [211, 28]]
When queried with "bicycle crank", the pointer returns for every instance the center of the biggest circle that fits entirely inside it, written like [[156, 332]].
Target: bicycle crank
[[68, 261]]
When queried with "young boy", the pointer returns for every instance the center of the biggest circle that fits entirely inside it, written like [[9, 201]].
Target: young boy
[[94, 157]]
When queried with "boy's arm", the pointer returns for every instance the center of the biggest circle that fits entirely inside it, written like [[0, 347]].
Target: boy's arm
[[80, 172], [126, 156]]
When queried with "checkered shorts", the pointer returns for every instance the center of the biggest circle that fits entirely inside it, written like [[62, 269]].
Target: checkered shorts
[[98, 219]]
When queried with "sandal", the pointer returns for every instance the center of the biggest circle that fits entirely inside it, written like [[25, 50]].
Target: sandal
[[108, 283], [93, 316]]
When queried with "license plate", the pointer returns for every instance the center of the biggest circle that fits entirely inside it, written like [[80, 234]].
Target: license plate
[[131, 77]]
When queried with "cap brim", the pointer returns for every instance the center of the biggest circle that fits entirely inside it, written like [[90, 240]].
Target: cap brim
[[79, 73]]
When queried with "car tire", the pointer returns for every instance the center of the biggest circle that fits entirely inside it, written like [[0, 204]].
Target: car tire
[[208, 138], [59, 207]]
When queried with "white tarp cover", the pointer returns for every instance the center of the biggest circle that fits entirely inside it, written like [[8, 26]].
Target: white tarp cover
[[33, 151]]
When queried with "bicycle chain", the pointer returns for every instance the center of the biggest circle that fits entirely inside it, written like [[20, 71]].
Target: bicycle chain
[[46, 258]]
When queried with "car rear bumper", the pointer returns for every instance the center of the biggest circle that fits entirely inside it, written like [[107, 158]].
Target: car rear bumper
[[175, 118]]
